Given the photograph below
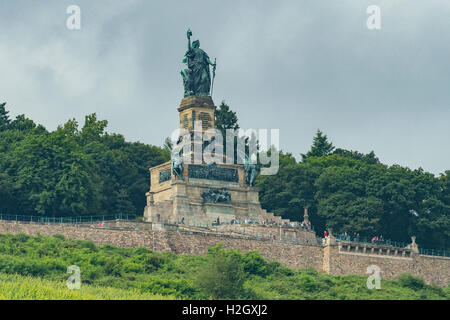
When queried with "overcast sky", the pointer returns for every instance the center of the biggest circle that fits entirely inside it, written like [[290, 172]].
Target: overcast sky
[[293, 65]]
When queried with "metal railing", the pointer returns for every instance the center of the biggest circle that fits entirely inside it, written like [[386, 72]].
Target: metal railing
[[423, 251], [193, 222], [66, 220], [387, 242], [435, 252]]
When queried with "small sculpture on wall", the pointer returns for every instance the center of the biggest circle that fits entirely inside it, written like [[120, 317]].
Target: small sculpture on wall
[[177, 164], [251, 171], [213, 195]]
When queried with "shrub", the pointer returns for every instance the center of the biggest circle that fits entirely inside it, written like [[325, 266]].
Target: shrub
[[59, 237], [307, 283], [20, 237], [142, 250], [223, 276], [112, 267], [254, 263], [133, 267], [409, 281], [89, 244]]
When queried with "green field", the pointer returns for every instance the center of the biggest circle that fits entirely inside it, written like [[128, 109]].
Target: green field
[[16, 287], [35, 267]]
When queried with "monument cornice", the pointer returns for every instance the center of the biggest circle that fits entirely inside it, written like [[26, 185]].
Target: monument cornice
[[196, 102]]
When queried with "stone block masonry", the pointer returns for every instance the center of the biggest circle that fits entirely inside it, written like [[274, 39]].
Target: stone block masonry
[[434, 270], [331, 257]]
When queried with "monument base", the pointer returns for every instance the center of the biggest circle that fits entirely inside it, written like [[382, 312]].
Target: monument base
[[200, 201]]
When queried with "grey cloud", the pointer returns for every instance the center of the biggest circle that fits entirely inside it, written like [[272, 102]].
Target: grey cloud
[[292, 65]]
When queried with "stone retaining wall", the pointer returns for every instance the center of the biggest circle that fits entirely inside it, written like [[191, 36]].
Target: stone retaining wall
[[434, 270], [327, 258]]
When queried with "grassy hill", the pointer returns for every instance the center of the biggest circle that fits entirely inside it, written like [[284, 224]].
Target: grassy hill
[[16, 287], [35, 267]]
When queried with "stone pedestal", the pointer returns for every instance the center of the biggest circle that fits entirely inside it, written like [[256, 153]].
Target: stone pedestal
[[196, 108], [171, 200]]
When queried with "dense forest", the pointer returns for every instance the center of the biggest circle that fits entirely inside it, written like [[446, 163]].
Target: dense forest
[[72, 171], [75, 171], [347, 191]]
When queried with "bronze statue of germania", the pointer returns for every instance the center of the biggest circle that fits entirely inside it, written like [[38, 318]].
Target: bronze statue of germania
[[197, 77]]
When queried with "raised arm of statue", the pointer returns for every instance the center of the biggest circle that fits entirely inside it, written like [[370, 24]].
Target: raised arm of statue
[[189, 34]]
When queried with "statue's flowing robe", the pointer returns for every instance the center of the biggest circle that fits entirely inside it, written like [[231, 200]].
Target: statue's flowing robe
[[199, 73]]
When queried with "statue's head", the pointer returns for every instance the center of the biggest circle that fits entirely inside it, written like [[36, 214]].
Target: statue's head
[[196, 44]]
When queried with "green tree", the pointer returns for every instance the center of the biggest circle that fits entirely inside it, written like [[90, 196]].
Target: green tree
[[288, 192], [353, 192], [78, 190], [223, 276], [22, 123], [72, 172], [225, 118], [370, 158], [92, 129], [123, 204], [7, 196], [320, 147], [344, 212], [4, 118]]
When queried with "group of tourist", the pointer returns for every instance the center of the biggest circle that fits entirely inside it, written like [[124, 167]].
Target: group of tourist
[[378, 240], [306, 225], [346, 237]]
